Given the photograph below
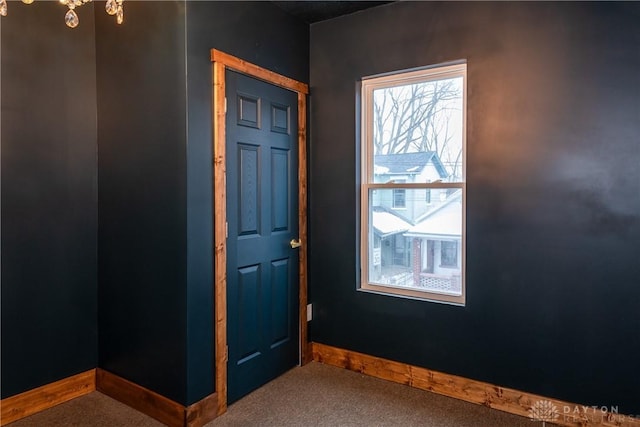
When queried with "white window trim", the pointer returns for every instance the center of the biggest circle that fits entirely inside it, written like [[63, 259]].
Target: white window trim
[[369, 85]]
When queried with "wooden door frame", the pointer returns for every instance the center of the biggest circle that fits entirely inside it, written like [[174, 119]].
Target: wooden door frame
[[221, 62]]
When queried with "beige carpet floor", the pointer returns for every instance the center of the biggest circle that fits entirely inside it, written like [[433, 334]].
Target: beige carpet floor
[[313, 395]]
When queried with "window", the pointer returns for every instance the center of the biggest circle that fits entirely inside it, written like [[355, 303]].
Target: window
[[449, 254], [399, 197], [413, 147]]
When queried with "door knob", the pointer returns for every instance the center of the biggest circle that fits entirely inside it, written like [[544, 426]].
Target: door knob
[[295, 243]]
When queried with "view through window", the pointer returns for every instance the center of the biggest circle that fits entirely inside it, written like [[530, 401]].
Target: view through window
[[413, 183]]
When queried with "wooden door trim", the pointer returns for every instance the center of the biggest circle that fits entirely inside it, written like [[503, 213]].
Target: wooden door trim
[[221, 62]]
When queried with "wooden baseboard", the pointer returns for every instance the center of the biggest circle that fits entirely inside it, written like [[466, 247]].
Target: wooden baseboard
[[33, 401], [500, 398], [142, 399], [154, 405]]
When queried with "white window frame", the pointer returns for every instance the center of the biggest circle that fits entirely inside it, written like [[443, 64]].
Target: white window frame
[[401, 78]]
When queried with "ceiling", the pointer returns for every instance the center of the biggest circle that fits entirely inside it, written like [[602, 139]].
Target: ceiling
[[314, 11]]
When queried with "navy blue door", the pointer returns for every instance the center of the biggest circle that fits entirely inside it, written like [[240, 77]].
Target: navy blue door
[[262, 212]]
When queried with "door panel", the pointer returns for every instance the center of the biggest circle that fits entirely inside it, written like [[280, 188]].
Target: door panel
[[280, 189], [248, 187], [248, 313], [262, 212], [280, 309]]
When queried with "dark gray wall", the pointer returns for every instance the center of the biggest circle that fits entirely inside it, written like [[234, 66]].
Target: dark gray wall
[[142, 196], [49, 196], [257, 32], [553, 208]]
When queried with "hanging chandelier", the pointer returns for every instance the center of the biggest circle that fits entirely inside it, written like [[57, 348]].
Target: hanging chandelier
[[113, 7]]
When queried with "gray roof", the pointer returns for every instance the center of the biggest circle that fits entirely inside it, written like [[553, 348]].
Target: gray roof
[[410, 163]]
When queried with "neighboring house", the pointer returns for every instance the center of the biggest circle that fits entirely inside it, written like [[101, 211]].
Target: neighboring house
[[395, 212], [408, 168], [437, 248], [390, 246]]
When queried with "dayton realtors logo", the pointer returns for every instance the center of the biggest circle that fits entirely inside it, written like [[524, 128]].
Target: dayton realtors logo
[[545, 411]]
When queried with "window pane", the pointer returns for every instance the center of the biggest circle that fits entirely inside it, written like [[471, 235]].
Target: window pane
[[419, 248], [399, 201], [449, 253], [418, 132]]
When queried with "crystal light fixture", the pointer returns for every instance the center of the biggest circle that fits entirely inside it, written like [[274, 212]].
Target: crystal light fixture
[[113, 7]]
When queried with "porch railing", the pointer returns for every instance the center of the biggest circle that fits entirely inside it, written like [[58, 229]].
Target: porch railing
[[439, 282]]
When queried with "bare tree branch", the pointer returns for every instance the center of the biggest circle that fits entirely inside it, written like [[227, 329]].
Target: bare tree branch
[[416, 118]]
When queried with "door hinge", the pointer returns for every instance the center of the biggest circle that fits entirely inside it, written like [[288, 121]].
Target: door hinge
[[225, 105], [226, 231], [226, 353]]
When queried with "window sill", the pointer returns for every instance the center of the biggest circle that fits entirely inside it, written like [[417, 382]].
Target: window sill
[[414, 294]]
